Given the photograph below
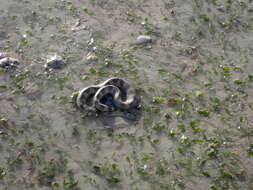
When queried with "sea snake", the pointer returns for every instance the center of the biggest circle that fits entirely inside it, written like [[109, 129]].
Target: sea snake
[[112, 94]]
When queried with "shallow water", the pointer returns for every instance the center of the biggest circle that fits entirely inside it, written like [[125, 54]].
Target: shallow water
[[194, 129]]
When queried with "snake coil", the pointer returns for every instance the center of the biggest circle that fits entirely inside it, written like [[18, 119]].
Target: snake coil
[[95, 97]]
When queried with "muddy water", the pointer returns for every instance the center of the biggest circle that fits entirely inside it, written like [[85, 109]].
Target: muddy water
[[195, 80]]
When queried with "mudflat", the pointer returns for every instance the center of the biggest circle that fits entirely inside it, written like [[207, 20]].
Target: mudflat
[[191, 63]]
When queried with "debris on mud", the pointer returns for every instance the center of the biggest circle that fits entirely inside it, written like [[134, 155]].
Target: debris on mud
[[91, 57], [78, 26], [55, 62], [8, 63]]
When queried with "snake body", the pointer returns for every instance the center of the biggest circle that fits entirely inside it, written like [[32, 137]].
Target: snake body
[[112, 94]]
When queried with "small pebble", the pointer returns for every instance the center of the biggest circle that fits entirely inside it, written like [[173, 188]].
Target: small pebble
[[55, 62], [221, 9], [143, 40]]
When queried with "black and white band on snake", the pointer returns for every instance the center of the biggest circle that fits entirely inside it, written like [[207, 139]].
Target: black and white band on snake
[[124, 97]]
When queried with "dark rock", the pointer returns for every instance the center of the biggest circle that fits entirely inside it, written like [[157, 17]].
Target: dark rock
[[8, 63], [55, 62]]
